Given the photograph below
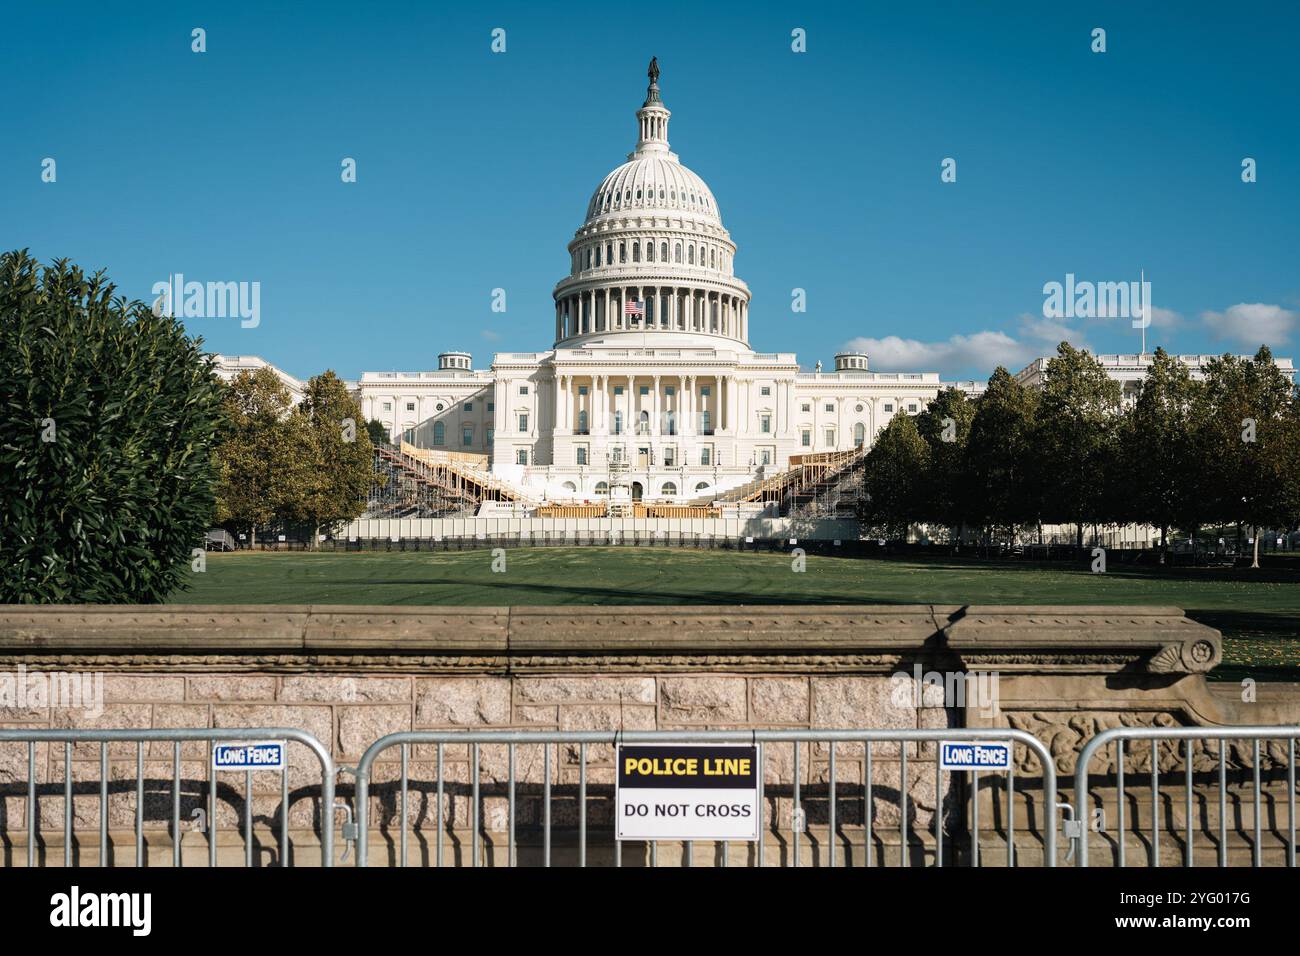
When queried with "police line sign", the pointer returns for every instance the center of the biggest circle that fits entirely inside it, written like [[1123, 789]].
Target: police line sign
[[688, 792], [974, 755], [267, 755]]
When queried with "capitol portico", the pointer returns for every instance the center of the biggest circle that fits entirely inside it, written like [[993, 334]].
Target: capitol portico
[[651, 387]]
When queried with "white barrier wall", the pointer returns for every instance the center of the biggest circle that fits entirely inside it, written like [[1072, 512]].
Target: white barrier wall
[[585, 528]]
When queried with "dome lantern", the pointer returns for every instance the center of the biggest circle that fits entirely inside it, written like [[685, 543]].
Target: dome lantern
[[652, 117]]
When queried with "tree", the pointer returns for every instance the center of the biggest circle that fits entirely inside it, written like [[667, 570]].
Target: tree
[[1161, 457], [107, 416], [1249, 438], [377, 432], [945, 426], [340, 453], [261, 454], [1000, 454], [893, 479], [1074, 438]]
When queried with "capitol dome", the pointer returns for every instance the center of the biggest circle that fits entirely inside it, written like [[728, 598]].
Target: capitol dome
[[652, 255], [652, 183]]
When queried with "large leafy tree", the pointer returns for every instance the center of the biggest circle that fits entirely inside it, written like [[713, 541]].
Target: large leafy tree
[[893, 481], [261, 457], [1075, 439], [107, 416], [945, 426], [1249, 437], [1000, 454], [1162, 458], [337, 444]]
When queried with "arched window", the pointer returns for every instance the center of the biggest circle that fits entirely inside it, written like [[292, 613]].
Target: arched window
[[643, 426], [622, 252], [609, 253], [712, 263], [638, 194], [668, 489], [439, 433], [690, 255], [636, 252], [859, 435], [589, 257], [627, 195], [677, 252], [598, 257], [702, 486], [618, 423], [663, 251], [672, 194], [582, 421], [649, 252], [661, 193], [602, 488]]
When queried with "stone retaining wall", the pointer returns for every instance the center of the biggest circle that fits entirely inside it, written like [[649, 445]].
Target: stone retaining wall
[[349, 675]]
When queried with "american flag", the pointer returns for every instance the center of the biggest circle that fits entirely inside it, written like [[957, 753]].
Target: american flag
[[634, 307]]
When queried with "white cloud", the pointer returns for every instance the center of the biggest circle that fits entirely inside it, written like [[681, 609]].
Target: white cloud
[[490, 335], [1251, 324], [978, 353]]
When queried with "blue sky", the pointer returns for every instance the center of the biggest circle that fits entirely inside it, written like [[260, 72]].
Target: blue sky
[[474, 168]]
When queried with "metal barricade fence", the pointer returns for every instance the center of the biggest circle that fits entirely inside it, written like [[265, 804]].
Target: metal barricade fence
[[476, 741], [177, 737], [1163, 759]]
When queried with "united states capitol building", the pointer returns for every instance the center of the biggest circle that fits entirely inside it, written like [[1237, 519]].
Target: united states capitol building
[[652, 395], [652, 375]]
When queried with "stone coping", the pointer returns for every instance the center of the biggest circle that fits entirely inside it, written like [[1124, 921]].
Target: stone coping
[[1086, 638]]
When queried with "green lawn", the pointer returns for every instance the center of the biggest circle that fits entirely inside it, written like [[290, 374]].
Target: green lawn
[[1258, 612]]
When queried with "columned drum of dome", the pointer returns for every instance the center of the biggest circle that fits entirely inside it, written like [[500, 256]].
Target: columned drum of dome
[[652, 256]]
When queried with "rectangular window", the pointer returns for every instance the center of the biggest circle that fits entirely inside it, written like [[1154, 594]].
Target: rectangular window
[[765, 391], [765, 424], [618, 389], [469, 406], [670, 457], [410, 406], [467, 436], [492, 406], [765, 456], [523, 389], [830, 437], [523, 423], [670, 390], [491, 434], [912, 409], [645, 389], [889, 406], [806, 438], [806, 407], [582, 454], [830, 407], [582, 389], [705, 455], [388, 406], [521, 456], [704, 389]]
